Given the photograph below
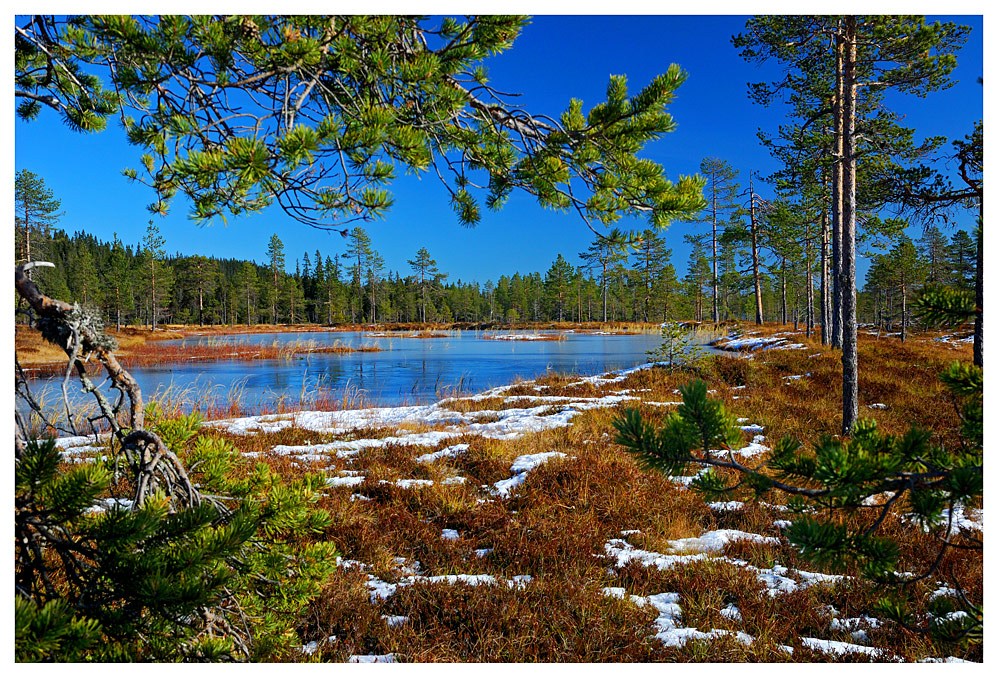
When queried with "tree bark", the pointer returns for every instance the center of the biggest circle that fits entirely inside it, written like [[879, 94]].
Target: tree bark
[[847, 283], [979, 292], [755, 255], [826, 311], [837, 169], [713, 244], [783, 291]]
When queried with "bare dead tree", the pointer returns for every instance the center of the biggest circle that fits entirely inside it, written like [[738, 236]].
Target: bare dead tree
[[80, 334]]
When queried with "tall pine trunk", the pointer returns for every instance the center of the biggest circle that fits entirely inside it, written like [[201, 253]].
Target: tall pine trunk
[[783, 291], [755, 254], [979, 292], [826, 311], [837, 170], [713, 244], [847, 283]]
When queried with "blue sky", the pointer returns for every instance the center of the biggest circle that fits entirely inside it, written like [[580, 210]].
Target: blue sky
[[555, 58]]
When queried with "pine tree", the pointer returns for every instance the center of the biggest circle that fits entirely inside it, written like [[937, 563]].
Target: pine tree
[[841, 478], [157, 274], [651, 258], [423, 265], [871, 55], [293, 155], [721, 190], [604, 253], [117, 282], [101, 579], [36, 211], [933, 249], [697, 274], [275, 259]]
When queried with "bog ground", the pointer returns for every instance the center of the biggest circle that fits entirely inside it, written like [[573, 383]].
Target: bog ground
[[506, 526]]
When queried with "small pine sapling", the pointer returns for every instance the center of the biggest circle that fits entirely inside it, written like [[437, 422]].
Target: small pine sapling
[[866, 477]]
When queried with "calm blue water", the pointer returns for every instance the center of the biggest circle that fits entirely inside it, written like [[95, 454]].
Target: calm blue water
[[405, 371]]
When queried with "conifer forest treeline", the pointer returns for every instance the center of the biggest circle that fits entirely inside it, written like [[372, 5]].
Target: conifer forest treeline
[[617, 279]]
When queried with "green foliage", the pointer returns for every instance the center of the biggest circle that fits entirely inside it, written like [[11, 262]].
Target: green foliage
[[51, 630], [338, 104], [699, 424], [862, 478], [226, 578], [937, 305], [679, 347]]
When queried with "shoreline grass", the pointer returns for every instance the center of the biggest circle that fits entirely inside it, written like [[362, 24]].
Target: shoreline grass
[[392, 514]]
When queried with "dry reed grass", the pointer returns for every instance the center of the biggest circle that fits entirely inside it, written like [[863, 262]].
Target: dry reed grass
[[555, 525]]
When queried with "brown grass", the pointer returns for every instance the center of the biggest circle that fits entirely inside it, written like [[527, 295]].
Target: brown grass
[[41, 359], [555, 525]]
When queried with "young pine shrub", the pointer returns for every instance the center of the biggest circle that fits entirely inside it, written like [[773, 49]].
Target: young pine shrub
[[223, 579], [864, 478]]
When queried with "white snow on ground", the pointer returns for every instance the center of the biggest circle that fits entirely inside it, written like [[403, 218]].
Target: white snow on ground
[[943, 591], [447, 452], [754, 448], [372, 658], [345, 481], [380, 590], [349, 448], [670, 616], [838, 647], [877, 406], [449, 534], [963, 520], [618, 375], [732, 612], [941, 660], [748, 343], [856, 626], [715, 541], [624, 553], [948, 339], [745, 342], [519, 337], [498, 424], [725, 505], [110, 503], [521, 467], [395, 620], [408, 483], [775, 579]]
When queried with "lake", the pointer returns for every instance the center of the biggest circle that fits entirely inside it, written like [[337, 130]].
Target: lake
[[405, 371]]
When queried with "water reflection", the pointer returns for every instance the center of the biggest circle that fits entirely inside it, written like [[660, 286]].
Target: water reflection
[[405, 371]]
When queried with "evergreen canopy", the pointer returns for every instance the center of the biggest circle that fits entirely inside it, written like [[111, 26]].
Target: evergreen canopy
[[318, 113]]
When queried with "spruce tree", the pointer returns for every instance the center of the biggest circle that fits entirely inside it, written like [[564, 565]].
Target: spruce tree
[[961, 255], [557, 285]]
